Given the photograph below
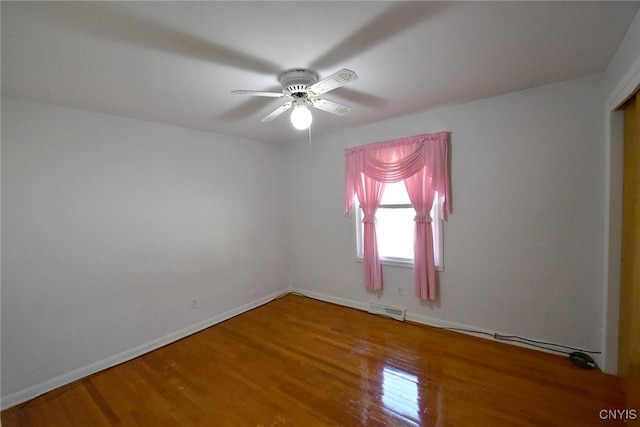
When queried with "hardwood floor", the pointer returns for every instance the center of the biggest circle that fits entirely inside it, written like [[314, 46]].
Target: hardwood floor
[[301, 362]]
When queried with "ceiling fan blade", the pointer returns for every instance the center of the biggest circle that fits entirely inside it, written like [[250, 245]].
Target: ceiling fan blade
[[330, 106], [335, 80], [277, 112], [258, 93]]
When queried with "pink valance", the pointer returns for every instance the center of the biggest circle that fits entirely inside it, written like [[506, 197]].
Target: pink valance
[[396, 160], [420, 161]]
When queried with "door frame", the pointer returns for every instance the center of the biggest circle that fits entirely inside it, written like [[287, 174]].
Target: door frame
[[614, 158]]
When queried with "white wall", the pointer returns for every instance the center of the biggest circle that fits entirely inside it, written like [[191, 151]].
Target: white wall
[[622, 76], [111, 225], [523, 247]]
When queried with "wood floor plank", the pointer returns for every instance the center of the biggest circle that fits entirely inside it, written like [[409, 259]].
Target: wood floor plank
[[301, 362]]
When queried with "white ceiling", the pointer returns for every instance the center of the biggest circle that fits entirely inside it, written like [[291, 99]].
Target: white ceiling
[[177, 62]]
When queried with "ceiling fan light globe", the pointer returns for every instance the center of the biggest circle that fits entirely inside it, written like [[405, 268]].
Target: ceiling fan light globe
[[301, 117]]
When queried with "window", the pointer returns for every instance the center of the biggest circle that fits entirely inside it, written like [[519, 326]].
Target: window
[[395, 228]]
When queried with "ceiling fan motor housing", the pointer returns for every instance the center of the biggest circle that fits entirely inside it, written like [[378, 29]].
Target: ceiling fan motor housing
[[296, 82], [303, 87]]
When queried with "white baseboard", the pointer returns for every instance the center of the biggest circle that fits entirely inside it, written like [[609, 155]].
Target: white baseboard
[[39, 389], [335, 300], [35, 391], [411, 317], [431, 321]]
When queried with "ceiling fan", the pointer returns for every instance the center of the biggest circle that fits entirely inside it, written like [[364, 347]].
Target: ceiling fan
[[302, 86]]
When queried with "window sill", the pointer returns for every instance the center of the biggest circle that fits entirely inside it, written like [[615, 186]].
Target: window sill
[[398, 262]]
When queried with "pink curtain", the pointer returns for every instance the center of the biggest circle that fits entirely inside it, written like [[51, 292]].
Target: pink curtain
[[421, 195], [369, 194], [420, 161]]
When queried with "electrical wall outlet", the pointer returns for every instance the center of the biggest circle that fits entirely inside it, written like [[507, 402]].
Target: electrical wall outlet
[[400, 290], [194, 303]]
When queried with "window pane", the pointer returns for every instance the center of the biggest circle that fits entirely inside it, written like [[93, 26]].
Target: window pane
[[395, 193], [394, 229]]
